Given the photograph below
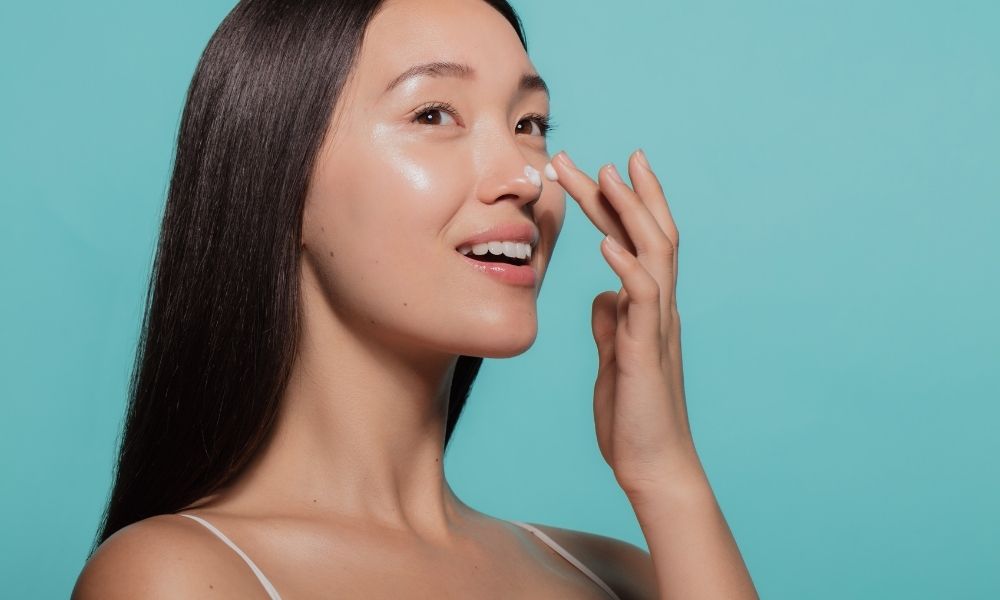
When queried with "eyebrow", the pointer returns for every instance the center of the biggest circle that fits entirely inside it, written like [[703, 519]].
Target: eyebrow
[[528, 81]]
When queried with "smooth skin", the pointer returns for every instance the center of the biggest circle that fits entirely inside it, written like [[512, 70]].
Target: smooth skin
[[640, 410], [350, 499]]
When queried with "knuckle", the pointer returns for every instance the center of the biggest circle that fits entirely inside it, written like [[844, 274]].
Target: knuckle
[[670, 246], [661, 245], [649, 289], [658, 246]]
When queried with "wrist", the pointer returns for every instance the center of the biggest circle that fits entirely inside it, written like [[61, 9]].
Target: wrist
[[677, 479]]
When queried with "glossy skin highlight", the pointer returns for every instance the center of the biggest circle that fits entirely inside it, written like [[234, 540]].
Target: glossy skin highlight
[[353, 475], [354, 471], [392, 197]]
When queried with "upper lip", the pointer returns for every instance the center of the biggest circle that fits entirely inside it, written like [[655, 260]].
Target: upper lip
[[505, 232]]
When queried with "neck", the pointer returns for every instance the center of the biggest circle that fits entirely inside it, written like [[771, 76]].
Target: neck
[[360, 432]]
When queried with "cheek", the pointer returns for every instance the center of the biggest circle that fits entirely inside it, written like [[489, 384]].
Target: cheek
[[411, 162], [385, 207], [407, 170], [411, 193]]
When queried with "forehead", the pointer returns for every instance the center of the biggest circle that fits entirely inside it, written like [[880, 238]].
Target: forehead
[[405, 33]]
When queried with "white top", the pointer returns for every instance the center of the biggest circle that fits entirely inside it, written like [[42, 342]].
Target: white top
[[273, 593]]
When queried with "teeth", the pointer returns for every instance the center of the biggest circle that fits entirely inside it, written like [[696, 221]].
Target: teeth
[[511, 249]]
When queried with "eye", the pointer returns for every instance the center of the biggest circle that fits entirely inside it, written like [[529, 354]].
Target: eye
[[544, 123], [423, 114]]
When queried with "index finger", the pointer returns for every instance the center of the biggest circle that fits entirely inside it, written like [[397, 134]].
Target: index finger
[[591, 199]]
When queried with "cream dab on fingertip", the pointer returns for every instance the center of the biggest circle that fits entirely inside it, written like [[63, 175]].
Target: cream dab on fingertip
[[550, 172]]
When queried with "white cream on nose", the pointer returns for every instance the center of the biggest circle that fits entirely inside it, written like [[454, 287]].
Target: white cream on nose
[[533, 175]]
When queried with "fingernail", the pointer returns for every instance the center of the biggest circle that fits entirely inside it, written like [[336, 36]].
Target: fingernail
[[644, 160], [550, 172], [613, 245], [613, 172], [565, 157]]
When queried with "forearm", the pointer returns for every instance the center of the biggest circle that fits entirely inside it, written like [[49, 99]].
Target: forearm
[[692, 549]]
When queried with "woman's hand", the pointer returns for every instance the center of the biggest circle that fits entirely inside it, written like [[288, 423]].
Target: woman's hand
[[639, 405]]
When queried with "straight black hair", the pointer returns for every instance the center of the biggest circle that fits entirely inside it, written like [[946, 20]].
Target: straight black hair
[[222, 315]]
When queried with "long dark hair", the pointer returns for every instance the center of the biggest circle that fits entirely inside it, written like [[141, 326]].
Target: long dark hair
[[221, 319]]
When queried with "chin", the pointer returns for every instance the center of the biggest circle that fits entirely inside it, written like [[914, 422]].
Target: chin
[[503, 342], [503, 352]]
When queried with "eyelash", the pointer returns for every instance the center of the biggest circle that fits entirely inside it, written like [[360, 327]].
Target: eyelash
[[545, 123]]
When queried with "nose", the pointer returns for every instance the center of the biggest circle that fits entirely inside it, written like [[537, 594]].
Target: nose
[[512, 177]]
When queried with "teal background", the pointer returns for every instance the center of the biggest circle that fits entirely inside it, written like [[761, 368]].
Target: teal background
[[833, 167]]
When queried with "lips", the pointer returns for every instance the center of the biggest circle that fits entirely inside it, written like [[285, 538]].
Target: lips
[[518, 275]]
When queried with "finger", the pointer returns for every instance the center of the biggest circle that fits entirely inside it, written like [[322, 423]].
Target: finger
[[604, 325], [641, 320], [648, 186], [603, 322], [649, 239], [587, 194], [653, 248]]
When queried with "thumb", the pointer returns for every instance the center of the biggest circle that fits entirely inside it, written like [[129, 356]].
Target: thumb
[[604, 322]]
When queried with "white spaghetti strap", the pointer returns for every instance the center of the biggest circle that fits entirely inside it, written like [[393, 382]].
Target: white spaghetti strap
[[565, 554], [273, 593]]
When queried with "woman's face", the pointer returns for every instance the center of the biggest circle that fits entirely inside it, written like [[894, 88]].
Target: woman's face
[[399, 186]]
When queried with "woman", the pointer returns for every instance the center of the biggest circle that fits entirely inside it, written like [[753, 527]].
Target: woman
[[320, 306]]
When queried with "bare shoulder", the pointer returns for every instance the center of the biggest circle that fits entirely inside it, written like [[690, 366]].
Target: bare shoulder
[[627, 568], [165, 556]]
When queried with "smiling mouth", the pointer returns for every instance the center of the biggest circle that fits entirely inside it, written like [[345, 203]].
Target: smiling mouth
[[489, 257], [497, 258]]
